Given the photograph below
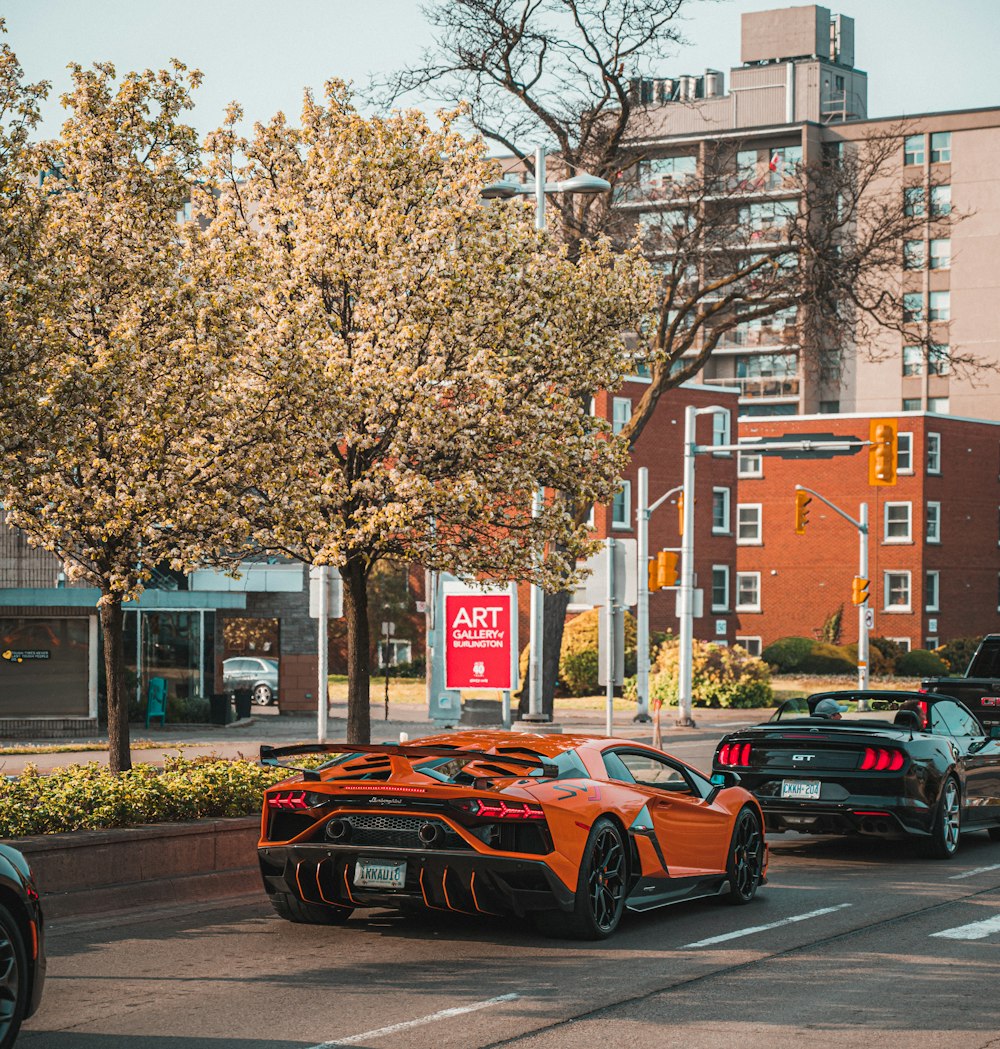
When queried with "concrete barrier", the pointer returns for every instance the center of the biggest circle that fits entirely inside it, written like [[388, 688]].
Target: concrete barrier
[[96, 871]]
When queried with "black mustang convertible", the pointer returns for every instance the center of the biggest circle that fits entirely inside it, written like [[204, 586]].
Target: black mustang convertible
[[913, 764]]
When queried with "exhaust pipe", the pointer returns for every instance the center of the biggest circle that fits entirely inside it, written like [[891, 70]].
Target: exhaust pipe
[[338, 830], [430, 834]]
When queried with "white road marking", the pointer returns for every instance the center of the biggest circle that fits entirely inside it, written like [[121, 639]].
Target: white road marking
[[443, 1014], [973, 931], [978, 870], [763, 928]]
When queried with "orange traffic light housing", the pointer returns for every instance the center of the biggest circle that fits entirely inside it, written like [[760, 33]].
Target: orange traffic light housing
[[680, 514], [883, 452], [859, 590], [666, 563], [802, 501]]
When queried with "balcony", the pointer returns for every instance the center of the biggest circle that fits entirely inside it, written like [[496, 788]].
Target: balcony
[[761, 387]]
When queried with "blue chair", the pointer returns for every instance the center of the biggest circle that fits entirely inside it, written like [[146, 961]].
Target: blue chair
[[156, 700]]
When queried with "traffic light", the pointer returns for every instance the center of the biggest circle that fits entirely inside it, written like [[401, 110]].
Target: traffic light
[[680, 514], [802, 501], [859, 590], [663, 570], [883, 452]]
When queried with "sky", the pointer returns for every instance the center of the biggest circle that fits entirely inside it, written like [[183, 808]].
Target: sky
[[920, 55]]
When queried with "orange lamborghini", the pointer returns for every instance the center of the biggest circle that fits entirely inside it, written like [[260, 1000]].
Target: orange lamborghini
[[568, 830]]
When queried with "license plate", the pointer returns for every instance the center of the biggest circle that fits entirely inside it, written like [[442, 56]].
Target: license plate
[[382, 874], [800, 788]]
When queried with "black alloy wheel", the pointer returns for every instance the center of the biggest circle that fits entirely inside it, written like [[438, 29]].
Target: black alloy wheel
[[600, 892], [13, 978], [947, 829], [745, 863]]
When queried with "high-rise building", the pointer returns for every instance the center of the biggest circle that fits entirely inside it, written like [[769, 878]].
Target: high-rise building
[[796, 98]]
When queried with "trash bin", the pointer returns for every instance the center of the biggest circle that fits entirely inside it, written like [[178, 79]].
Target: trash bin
[[243, 696], [219, 703]]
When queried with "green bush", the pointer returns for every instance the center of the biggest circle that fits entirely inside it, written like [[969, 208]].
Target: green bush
[[787, 653], [192, 710], [721, 677], [958, 653], [889, 651], [921, 663], [828, 659], [578, 672], [89, 797]]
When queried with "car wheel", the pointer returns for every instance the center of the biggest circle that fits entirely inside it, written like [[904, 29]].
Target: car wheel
[[600, 891], [262, 695], [745, 863], [13, 978], [947, 828], [293, 910]]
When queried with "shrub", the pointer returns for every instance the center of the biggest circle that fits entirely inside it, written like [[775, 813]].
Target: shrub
[[722, 677], [90, 797], [828, 659], [187, 711], [958, 653], [878, 665], [889, 650], [578, 672], [921, 663], [787, 653]]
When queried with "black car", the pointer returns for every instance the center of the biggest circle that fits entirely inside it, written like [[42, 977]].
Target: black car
[[22, 945], [913, 765]]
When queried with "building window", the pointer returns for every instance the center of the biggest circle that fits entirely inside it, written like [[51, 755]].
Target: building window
[[720, 431], [938, 405], [897, 523], [748, 591], [621, 506], [896, 589], [913, 255], [941, 147], [829, 407], [933, 453], [720, 588], [940, 201], [750, 645], [930, 643], [720, 511], [933, 522], [939, 359], [903, 642], [748, 523], [932, 591], [904, 457], [913, 307], [913, 150], [392, 653], [914, 202], [913, 360], [748, 465], [940, 306], [912, 404], [621, 412], [940, 254]]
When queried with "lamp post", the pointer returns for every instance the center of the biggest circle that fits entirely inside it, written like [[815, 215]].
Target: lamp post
[[504, 189]]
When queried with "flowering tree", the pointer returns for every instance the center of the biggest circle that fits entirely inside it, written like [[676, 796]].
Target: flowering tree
[[125, 375], [424, 357]]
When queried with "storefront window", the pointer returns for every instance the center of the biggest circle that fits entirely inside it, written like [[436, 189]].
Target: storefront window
[[44, 667]]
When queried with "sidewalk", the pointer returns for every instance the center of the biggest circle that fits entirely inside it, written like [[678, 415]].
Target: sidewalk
[[244, 738]]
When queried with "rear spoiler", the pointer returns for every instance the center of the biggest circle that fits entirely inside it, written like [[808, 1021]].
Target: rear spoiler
[[495, 763]]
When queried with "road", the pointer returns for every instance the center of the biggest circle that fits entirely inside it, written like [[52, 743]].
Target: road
[[847, 945]]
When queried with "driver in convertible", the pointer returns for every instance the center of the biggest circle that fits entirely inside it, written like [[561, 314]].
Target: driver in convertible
[[828, 708]]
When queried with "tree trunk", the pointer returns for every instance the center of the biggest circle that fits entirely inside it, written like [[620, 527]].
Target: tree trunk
[[359, 728], [552, 634], [112, 624]]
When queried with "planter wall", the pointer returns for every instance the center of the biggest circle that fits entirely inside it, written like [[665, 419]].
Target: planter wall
[[95, 871]]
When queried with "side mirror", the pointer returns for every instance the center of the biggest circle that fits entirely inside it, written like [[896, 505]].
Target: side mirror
[[732, 779]]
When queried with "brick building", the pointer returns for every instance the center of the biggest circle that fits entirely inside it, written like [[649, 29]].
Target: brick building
[[934, 546]]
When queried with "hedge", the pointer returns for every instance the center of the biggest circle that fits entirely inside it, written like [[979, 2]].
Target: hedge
[[90, 797], [787, 653], [722, 676]]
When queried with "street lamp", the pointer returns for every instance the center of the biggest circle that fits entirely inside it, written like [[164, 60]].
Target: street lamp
[[504, 189]]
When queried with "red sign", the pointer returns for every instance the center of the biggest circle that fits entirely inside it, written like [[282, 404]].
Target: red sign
[[477, 640]]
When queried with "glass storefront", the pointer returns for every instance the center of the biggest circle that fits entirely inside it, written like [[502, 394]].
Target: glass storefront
[[177, 646], [44, 666]]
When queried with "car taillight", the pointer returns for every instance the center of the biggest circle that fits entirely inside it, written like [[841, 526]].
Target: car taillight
[[881, 759], [287, 799], [736, 754], [500, 810]]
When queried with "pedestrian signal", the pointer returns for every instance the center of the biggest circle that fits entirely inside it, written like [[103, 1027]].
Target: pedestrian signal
[[883, 452], [802, 501], [859, 590]]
